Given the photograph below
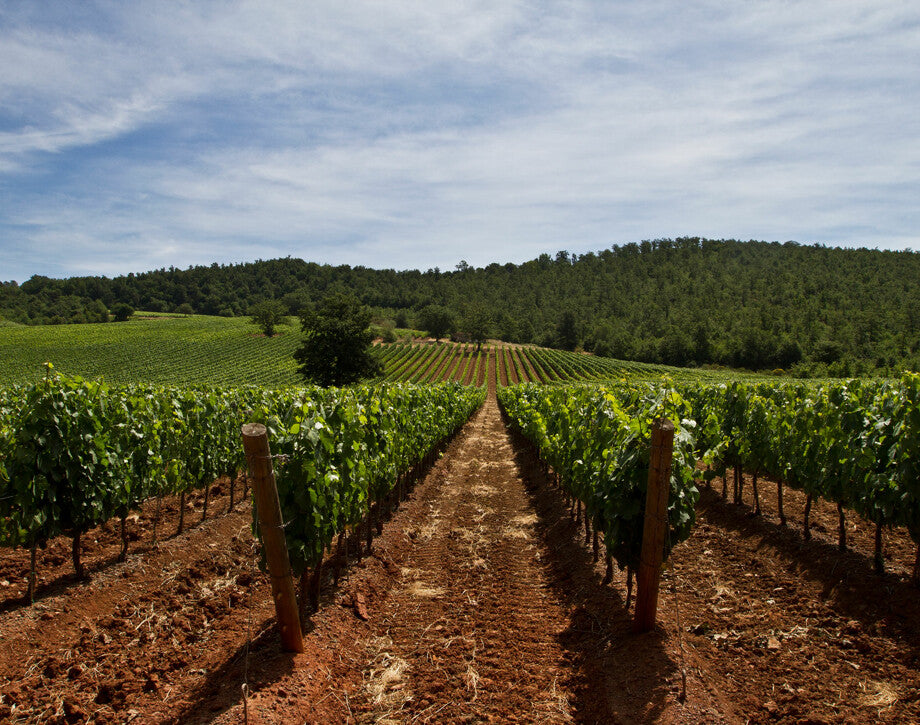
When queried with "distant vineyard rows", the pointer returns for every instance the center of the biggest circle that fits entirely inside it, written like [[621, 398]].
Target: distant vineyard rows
[[181, 351], [422, 362], [200, 350]]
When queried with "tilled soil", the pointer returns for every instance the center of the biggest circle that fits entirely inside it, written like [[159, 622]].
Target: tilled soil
[[796, 630], [470, 627], [138, 640], [480, 602]]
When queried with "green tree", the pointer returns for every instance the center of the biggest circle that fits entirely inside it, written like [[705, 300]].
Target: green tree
[[121, 311], [566, 330], [268, 314], [387, 333], [296, 301], [437, 320], [96, 311], [336, 345], [702, 347], [475, 323]]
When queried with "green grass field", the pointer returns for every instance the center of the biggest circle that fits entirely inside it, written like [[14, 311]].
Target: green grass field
[[190, 350], [201, 350]]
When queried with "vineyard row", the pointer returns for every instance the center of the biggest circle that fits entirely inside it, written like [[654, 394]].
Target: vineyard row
[[467, 363], [75, 453], [596, 443], [853, 443]]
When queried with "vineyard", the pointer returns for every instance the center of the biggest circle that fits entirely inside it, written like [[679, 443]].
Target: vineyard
[[193, 350], [202, 350], [421, 362], [853, 444], [464, 534], [75, 453]]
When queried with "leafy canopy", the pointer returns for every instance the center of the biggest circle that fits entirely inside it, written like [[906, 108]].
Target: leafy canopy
[[267, 314], [336, 345], [121, 311], [438, 320], [475, 323]]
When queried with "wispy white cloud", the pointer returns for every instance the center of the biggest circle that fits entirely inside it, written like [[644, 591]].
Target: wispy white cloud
[[417, 133]]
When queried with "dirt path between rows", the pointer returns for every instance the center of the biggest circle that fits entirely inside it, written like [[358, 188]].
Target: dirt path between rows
[[139, 639], [471, 630], [797, 631]]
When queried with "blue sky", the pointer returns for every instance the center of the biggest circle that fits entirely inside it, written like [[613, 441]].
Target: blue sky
[[135, 136]]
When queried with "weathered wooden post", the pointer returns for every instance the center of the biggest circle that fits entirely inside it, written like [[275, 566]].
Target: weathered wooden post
[[271, 527], [656, 524]]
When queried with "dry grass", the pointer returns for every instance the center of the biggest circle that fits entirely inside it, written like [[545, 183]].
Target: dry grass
[[471, 676], [418, 589], [525, 520], [516, 532], [386, 680], [878, 694], [416, 586], [552, 708]]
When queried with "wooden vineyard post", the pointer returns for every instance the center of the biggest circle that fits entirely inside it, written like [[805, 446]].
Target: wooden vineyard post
[[268, 507], [656, 525]]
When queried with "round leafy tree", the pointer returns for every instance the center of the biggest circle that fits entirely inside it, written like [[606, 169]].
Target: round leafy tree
[[438, 320], [268, 314], [121, 311], [336, 345]]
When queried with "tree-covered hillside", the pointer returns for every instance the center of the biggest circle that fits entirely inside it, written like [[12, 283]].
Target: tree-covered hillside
[[687, 301]]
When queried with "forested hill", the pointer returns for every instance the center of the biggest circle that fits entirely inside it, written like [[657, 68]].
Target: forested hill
[[757, 305]]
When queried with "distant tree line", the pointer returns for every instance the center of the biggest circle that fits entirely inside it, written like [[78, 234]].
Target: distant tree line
[[809, 309], [52, 305]]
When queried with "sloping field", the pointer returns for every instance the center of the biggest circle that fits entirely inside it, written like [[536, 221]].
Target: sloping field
[[193, 350], [202, 350], [430, 361]]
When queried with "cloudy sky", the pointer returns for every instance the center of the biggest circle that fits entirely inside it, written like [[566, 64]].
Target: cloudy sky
[[414, 134]]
